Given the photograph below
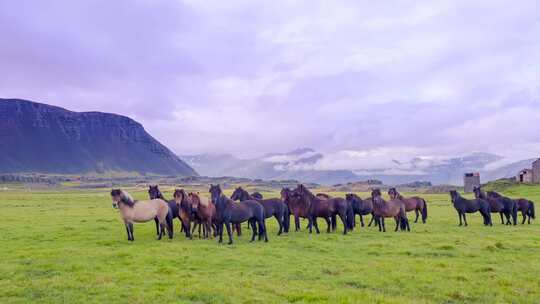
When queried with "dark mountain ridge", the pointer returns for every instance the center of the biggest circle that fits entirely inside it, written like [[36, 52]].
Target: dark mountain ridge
[[36, 137]]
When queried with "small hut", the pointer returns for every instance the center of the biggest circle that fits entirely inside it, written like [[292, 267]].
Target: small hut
[[471, 180], [536, 171], [525, 176]]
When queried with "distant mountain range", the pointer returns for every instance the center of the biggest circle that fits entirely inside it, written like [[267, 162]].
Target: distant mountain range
[[301, 164], [36, 137]]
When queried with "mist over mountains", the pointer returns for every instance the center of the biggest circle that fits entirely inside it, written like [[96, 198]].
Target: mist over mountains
[[307, 165]]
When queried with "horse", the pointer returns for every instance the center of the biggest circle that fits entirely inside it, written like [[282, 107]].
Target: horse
[[415, 203], [359, 206], [183, 205], [133, 211], [323, 196], [272, 207], [228, 211], [392, 208], [205, 210], [154, 193], [217, 190], [527, 209], [499, 204], [464, 206], [322, 208], [296, 207]]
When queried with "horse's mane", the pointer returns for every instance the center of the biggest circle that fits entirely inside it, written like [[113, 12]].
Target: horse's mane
[[494, 194], [126, 198], [305, 191], [197, 198]]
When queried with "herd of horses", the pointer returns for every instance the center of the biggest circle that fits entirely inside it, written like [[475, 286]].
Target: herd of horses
[[213, 216]]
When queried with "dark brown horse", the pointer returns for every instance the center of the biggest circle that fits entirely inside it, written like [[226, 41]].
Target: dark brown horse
[[272, 207], [205, 210], [527, 209], [499, 204], [322, 208], [392, 208], [359, 207], [415, 203], [229, 212], [296, 207], [184, 210], [323, 196]]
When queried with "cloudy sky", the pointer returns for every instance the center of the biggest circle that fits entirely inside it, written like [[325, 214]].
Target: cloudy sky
[[374, 78]]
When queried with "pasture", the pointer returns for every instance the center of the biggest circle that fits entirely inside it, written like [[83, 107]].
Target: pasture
[[70, 246]]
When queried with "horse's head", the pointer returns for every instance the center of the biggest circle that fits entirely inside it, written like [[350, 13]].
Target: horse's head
[[454, 195], [238, 194], [153, 192], [285, 193], [215, 192], [257, 195], [119, 196], [493, 194], [478, 192], [179, 196], [376, 193], [194, 201], [392, 192], [350, 197]]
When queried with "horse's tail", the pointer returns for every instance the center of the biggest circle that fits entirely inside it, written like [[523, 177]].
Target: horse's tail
[[424, 211], [531, 209], [286, 218], [350, 217], [169, 219]]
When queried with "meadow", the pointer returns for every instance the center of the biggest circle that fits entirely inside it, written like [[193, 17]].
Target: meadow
[[70, 246]]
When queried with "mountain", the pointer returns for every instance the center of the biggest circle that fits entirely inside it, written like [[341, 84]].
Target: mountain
[[302, 165], [37, 137]]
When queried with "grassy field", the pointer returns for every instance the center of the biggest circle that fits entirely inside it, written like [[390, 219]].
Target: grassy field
[[70, 246]]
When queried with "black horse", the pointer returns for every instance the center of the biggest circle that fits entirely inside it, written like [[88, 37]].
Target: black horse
[[229, 212], [464, 206], [359, 207], [499, 204], [154, 193], [527, 209], [272, 207]]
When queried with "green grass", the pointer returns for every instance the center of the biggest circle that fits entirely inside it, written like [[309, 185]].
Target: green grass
[[71, 247]]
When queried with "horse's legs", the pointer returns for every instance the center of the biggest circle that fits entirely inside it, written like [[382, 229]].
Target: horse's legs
[[396, 219], [502, 218], [296, 223], [253, 228], [361, 220], [464, 219], [128, 230], [372, 219], [383, 226], [262, 230], [459, 215], [157, 225], [343, 218], [228, 225], [417, 213], [279, 220], [328, 224], [314, 223], [239, 229]]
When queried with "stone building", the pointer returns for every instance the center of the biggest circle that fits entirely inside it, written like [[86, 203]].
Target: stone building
[[525, 176], [536, 171], [471, 180]]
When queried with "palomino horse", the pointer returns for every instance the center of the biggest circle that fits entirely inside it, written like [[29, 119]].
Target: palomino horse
[[154, 193], [527, 209], [133, 211], [499, 204], [272, 207], [393, 208], [464, 206], [183, 206], [415, 203], [359, 206], [205, 211], [323, 208], [229, 212]]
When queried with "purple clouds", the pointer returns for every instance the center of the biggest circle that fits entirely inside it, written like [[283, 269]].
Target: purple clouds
[[248, 78]]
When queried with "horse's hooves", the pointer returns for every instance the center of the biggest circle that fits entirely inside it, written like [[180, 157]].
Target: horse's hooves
[[229, 243]]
